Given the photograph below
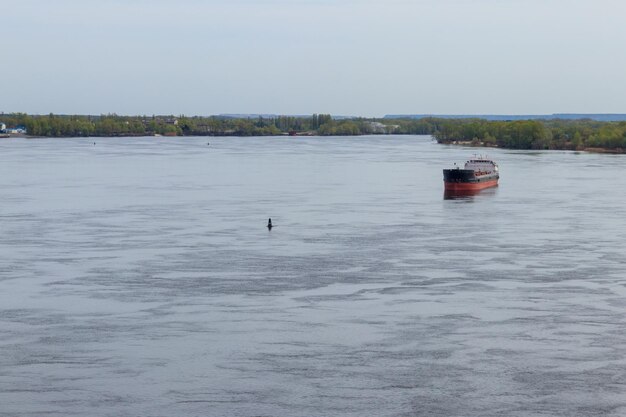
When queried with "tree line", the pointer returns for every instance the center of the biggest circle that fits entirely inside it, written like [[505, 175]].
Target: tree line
[[52, 125], [535, 134], [517, 134]]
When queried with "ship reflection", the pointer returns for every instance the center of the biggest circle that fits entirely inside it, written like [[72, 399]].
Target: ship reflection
[[467, 194]]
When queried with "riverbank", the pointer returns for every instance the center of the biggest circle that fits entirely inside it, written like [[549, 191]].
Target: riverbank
[[591, 135], [609, 151], [616, 151], [595, 136]]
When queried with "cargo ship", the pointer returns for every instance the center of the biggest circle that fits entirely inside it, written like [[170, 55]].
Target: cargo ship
[[478, 173]]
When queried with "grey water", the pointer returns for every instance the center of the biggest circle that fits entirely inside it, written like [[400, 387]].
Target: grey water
[[137, 278]]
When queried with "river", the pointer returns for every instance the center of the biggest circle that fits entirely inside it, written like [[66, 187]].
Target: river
[[137, 278]]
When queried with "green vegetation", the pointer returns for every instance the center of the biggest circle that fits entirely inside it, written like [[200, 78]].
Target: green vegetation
[[113, 125], [518, 134], [77, 126], [534, 134]]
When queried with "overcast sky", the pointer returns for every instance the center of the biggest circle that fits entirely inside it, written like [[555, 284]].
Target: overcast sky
[[345, 57]]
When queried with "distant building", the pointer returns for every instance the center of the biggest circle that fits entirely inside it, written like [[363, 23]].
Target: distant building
[[19, 130], [377, 127], [381, 128]]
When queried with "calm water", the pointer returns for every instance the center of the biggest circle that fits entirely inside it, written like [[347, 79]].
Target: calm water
[[137, 278]]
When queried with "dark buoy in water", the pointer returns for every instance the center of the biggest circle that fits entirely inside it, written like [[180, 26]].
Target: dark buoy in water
[[208, 143], [269, 224], [94, 144]]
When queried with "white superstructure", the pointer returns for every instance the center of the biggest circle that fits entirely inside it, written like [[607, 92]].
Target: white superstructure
[[481, 165]]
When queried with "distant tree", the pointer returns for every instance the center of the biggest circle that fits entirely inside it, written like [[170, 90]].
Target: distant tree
[[577, 140]]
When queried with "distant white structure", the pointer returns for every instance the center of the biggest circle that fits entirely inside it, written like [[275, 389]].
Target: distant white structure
[[19, 130], [377, 127]]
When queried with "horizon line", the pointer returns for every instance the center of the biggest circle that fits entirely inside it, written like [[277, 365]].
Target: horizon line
[[262, 114]]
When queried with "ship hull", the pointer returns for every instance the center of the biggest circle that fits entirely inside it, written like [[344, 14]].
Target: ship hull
[[467, 180], [469, 186]]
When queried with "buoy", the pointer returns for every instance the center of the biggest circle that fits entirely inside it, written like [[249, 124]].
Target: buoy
[[269, 224]]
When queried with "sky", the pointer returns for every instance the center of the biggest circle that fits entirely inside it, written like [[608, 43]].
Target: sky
[[349, 57]]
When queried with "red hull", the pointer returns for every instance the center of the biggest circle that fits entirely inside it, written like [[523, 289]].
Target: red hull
[[469, 186]]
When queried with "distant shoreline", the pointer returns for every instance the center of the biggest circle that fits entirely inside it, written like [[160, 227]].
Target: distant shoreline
[[549, 134], [599, 117], [616, 151]]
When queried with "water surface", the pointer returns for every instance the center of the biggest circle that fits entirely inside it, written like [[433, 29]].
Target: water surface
[[137, 278]]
